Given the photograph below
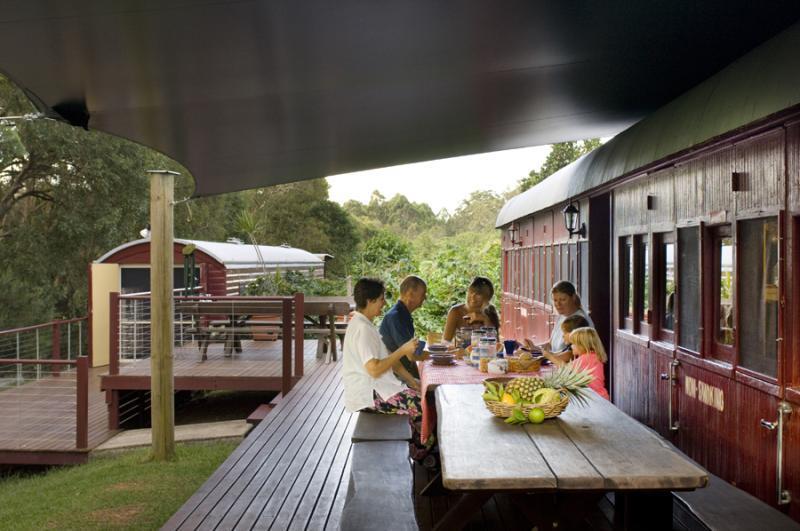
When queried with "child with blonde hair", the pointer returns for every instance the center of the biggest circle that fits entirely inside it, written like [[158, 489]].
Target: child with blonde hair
[[590, 356]]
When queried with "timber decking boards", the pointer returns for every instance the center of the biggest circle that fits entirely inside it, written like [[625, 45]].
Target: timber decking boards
[[290, 473], [258, 359], [40, 415]]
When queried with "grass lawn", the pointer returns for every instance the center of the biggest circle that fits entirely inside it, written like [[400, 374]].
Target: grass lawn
[[119, 491]]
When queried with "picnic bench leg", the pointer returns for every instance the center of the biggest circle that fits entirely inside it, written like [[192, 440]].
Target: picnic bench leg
[[643, 510], [463, 511]]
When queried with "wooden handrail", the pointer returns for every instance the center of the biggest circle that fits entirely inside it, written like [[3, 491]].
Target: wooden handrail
[[286, 376], [299, 318], [57, 322]]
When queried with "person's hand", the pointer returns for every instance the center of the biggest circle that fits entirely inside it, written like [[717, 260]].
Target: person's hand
[[409, 347]]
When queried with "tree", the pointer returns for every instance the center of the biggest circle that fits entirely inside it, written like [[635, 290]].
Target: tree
[[477, 213], [560, 155]]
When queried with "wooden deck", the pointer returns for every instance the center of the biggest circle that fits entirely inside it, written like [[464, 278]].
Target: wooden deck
[[292, 470], [256, 368], [38, 420]]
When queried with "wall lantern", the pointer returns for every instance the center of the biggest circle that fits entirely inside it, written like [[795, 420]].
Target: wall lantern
[[572, 217], [512, 234]]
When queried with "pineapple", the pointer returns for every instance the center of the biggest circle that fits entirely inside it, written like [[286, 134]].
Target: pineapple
[[571, 380], [526, 386]]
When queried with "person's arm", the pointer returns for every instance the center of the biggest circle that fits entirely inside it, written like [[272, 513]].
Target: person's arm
[[453, 322], [376, 367], [560, 359], [406, 376]]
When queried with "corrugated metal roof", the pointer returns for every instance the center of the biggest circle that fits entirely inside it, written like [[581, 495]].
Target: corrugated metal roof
[[238, 256], [759, 84]]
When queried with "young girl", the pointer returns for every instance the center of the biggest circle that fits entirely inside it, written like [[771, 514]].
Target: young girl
[[567, 326], [590, 355]]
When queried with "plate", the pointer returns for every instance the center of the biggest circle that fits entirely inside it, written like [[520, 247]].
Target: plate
[[438, 347], [443, 362]]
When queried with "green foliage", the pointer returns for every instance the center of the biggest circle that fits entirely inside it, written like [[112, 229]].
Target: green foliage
[[397, 215], [119, 491], [291, 282], [477, 213], [560, 155], [449, 268]]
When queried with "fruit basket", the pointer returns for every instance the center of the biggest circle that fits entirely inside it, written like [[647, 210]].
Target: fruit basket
[[515, 398], [550, 409]]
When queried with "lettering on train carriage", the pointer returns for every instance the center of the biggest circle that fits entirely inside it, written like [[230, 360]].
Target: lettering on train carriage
[[706, 394]]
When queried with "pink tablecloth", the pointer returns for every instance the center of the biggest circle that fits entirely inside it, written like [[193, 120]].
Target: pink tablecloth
[[431, 376]]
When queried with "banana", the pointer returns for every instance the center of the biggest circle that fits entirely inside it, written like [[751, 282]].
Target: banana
[[490, 397], [519, 415]]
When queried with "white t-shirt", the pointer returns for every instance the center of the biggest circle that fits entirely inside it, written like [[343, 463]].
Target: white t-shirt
[[362, 342], [557, 336]]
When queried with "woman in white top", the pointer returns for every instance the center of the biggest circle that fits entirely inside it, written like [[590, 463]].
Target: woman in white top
[[369, 382], [566, 303]]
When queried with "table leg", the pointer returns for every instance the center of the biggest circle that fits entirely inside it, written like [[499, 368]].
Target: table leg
[[463, 511], [332, 326], [643, 510]]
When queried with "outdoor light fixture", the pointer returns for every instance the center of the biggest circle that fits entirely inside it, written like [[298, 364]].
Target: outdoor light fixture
[[512, 234], [572, 216], [145, 232]]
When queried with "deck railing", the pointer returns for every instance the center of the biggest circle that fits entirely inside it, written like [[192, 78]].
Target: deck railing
[[55, 340], [201, 320]]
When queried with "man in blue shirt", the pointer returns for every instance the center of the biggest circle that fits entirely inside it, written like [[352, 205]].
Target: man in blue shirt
[[398, 326]]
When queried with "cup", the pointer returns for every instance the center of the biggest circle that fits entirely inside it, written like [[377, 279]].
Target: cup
[[510, 346]]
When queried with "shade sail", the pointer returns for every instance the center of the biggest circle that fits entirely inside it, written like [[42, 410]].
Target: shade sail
[[251, 93]]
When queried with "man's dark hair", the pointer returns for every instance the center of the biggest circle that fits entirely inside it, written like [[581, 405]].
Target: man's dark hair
[[367, 289], [411, 282]]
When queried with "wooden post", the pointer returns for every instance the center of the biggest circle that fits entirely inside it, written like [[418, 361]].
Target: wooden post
[[162, 184], [286, 320], [113, 332], [82, 404], [299, 318], [55, 347]]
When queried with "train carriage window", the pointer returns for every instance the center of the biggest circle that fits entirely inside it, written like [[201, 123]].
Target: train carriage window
[[548, 273], [583, 266], [565, 271], [643, 279], [758, 293], [664, 283], [721, 320], [506, 278], [626, 282], [536, 274], [573, 264], [688, 292]]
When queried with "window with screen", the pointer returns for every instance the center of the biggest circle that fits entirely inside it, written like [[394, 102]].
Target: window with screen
[[723, 277], [626, 273], [665, 284], [583, 282], [689, 288], [565, 271], [758, 296], [548, 274], [643, 278]]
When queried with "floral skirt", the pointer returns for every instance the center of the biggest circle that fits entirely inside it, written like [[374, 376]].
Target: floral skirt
[[406, 402]]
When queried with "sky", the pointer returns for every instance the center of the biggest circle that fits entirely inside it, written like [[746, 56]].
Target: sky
[[441, 183]]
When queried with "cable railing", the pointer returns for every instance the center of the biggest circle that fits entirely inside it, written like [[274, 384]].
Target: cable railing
[[64, 339]]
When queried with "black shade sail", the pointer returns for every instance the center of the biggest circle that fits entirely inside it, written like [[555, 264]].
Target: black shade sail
[[251, 93]]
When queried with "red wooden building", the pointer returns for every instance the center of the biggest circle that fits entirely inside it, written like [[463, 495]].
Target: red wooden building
[[688, 267]]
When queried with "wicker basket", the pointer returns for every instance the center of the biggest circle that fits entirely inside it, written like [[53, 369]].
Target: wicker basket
[[551, 410], [517, 365]]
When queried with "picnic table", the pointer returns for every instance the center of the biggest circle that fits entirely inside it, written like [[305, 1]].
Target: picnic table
[[228, 320], [578, 456]]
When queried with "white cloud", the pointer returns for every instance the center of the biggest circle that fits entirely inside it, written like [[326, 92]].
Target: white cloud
[[441, 183]]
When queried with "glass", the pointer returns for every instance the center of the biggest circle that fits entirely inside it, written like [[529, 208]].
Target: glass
[[724, 264], [668, 285], [758, 329], [689, 288]]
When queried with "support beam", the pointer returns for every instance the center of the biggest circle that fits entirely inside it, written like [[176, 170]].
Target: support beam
[[162, 185]]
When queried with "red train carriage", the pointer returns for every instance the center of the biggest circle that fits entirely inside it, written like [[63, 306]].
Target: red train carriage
[[688, 267]]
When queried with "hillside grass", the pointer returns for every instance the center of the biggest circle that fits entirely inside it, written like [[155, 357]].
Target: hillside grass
[[117, 491]]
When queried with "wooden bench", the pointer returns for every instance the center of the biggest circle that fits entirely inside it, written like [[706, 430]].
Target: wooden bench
[[380, 427], [721, 506], [380, 495]]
